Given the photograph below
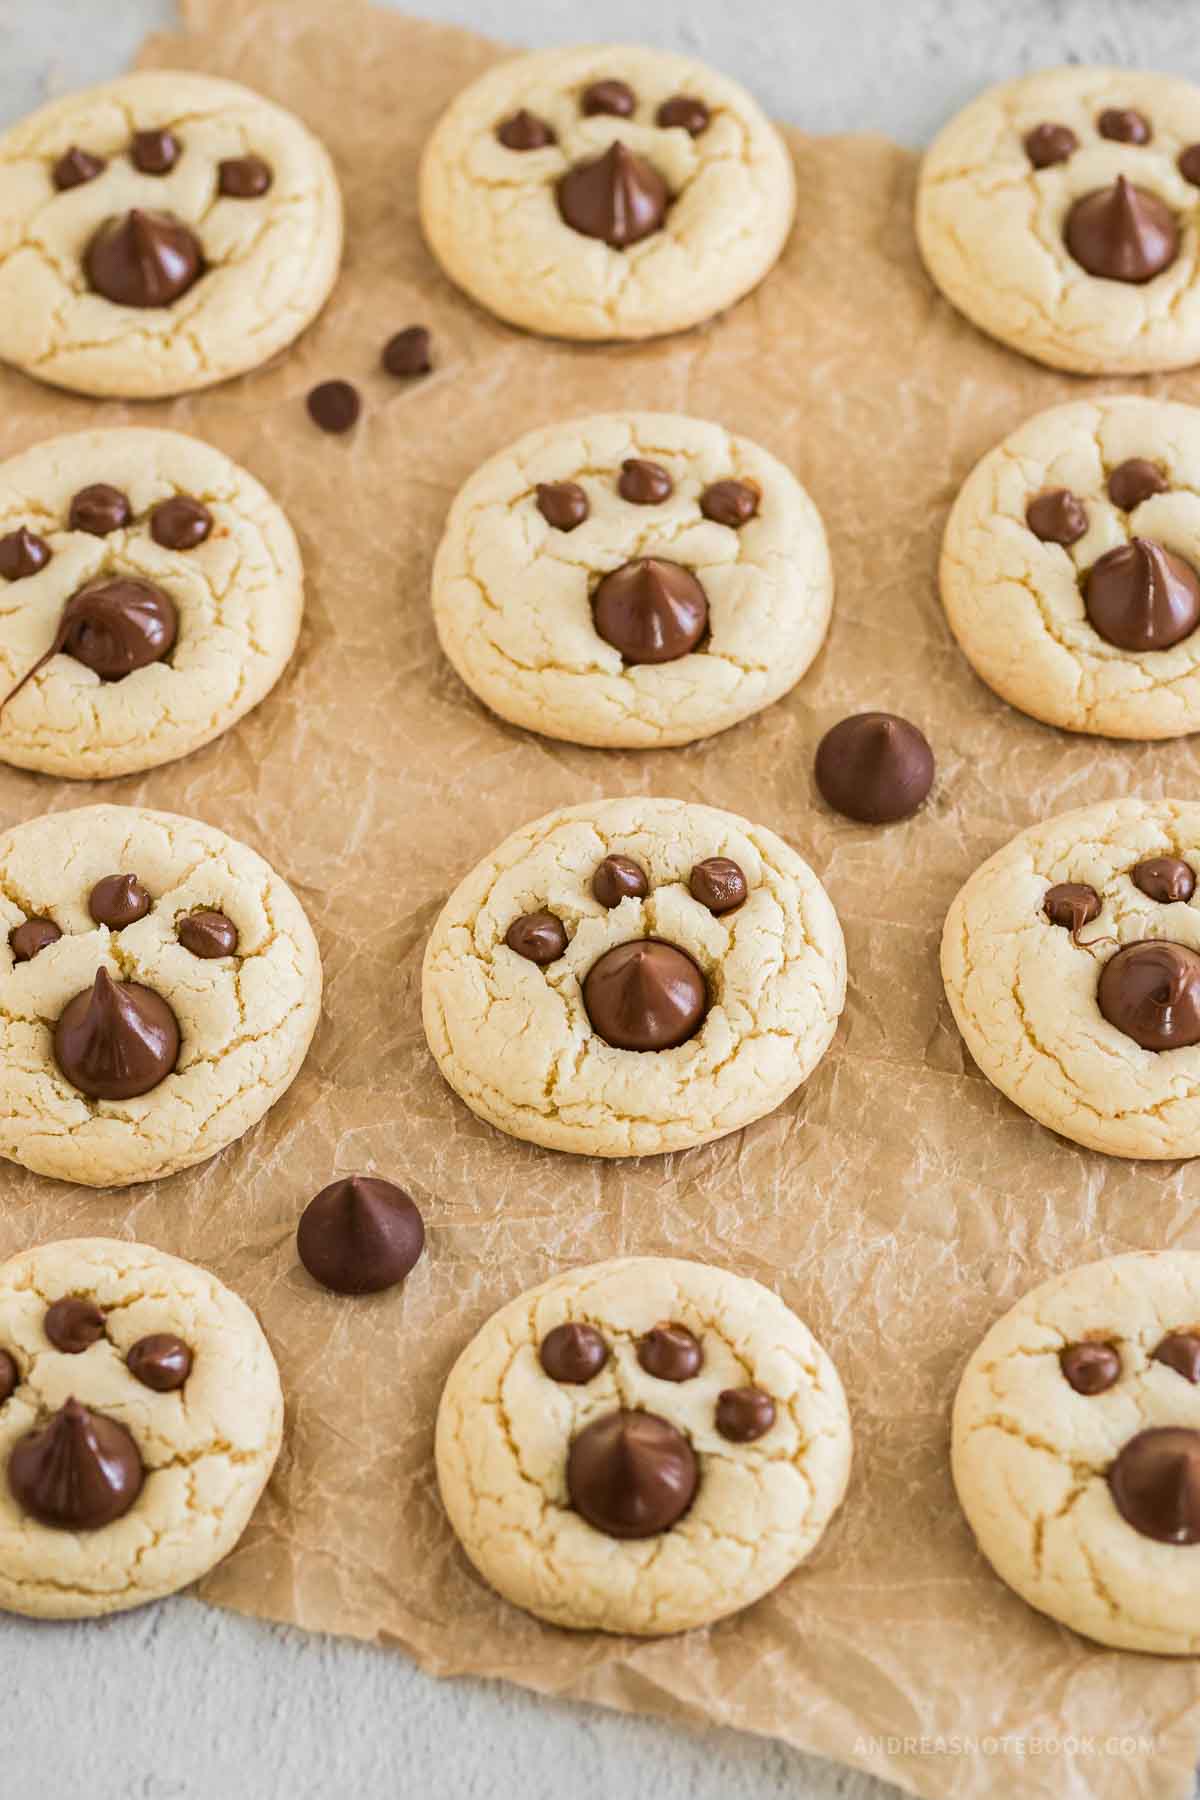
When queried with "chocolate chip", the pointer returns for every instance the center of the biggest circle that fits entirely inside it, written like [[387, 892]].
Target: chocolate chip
[[243, 177], [1150, 990], [610, 97], [651, 611], [1071, 904], [631, 1474], [685, 111], [334, 405], [525, 131], [718, 883], [670, 1353], [118, 900], [73, 1325], [116, 626], [1142, 597], [30, 937], [143, 259], [161, 1361], [10, 1376], [616, 196], [1090, 1368], [116, 1040], [1122, 233], [407, 353], [1056, 517], [644, 483], [207, 933], [1133, 481], [1123, 125], [154, 152], [1165, 879], [730, 503], [22, 554], [537, 936], [360, 1234], [1189, 164], [874, 767], [1181, 1351], [573, 1354], [645, 995], [618, 878], [75, 167], [79, 1472], [99, 509], [1049, 143], [1155, 1484], [744, 1414], [180, 523], [563, 504]]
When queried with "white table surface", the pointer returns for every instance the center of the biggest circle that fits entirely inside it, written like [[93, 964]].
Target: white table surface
[[179, 1702]]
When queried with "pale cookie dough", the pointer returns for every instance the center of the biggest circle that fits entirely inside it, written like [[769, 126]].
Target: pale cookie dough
[[239, 595], [512, 596], [245, 1020], [1031, 1455], [491, 214], [504, 1429], [1023, 991], [990, 225], [514, 1040], [208, 1447], [271, 260]]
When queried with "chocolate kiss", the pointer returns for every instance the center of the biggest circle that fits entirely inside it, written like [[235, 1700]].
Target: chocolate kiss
[[112, 627], [617, 197], [651, 611], [359, 1235], [645, 995], [143, 259], [1150, 990], [1141, 597], [631, 1474], [1155, 1484], [1122, 233], [79, 1472], [116, 1039]]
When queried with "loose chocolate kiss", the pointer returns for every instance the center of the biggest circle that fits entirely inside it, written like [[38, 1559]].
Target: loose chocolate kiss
[[619, 878], [243, 177], [617, 196], [1180, 1350], [525, 131], [79, 1472], [731, 503], [359, 1235], [645, 995], [563, 504], [1142, 597], [73, 1324], [540, 937], [719, 884], [1122, 233], [116, 1040], [1056, 517], [1155, 1484], [207, 933], [670, 1353], [22, 553], [143, 259], [651, 610], [573, 1354], [1133, 481], [161, 1361], [118, 900], [31, 937], [744, 1414], [1049, 143], [1071, 904], [1150, 990], [1165, 879], [631, 1474], [1090, 1368], [874, 767]]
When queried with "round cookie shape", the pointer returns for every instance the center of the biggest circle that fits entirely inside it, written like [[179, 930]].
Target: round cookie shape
[[596, 223], [235, 597], [205, 281], [1083, 254], [244, 1021], [1036, 1002], [515, 1040], [506, 1431], [1024, 609], [1062, 1485], [517, 595]]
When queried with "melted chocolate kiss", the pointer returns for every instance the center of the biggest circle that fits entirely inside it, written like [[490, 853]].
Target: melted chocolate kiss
[[651, 611], [617, 196], [1090, 1368], [617, 878], [646, 995], [1141, 597], [359, 1235], [684, 111], [207, 934], [563, 504], [1122, 233], [525, 131], [161, 1361], [540, 937], [1181, 1351], [22, 554], [1165, 879], [1071, 904], [73, 1325], [1056, 517], [744, 1414], [116, 1040], [31, 937], [1133, 481], [874, 767], [243, 177], [573, 1353], [1050, 143], [631, 1474], [79, 1472], [112, 626], [718, 883], [1151, 991], [1155, 1484], [143, 259], [731, 503], [670, 1353]]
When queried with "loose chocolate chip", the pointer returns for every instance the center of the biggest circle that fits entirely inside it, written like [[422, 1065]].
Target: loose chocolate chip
[[118, 900], [79, 1472], [73, 1325], [617, 196], [1050, 143], [730, 503], [243, 177], [537, 936], [573, 1353], [1122, 233], [407, 352], [644, 483], [615, 97], [1155, 1484], [670, 1353], [1165, 879], [30, 937], [645, 995], [1123, 125], [525, 131], [631, 1474], [116, 1040], [161, 1361], [1133, 481], [114, 627], [207, 933], [1181, 1351], [874, 767], [563, 504], [685, 111], [143, 259], [75, 167], [154, 152], [718, 883], [617, 878], [1056, 517], [1189, 164], [1142, 597], [359, 1235], [334, 405], [10, 1376], [1150, 990], [651, 611], [744, 1414], [1071, 904], [22, 554], [1090, 1368], [180, 523], [99, 509]]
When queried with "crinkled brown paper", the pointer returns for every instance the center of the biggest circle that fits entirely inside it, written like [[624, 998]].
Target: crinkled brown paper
[[897, 1202]]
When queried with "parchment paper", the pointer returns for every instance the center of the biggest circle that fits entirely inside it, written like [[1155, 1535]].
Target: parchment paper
[[898, 1203]]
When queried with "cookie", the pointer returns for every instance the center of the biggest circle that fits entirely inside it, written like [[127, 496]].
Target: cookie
[[644, 1445], [632, 976], [1056, 211], [608, 191], [160, 233], [140, 1417], [1072, 965], [632, 580], [1070, 567], [1076, 1450], [159, 985], [150, 595]]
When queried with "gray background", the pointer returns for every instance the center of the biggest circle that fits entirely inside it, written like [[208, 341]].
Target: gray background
[[182, 1703]]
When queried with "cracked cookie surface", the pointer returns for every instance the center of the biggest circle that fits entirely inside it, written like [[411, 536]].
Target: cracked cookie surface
[[270, 258], [239, 595], [491, 216], [207, 1447], [513, 594], [1024, 990], [245, 1019], [1031, 1454], [504, 1429], [990, 223], [514, 1039]]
